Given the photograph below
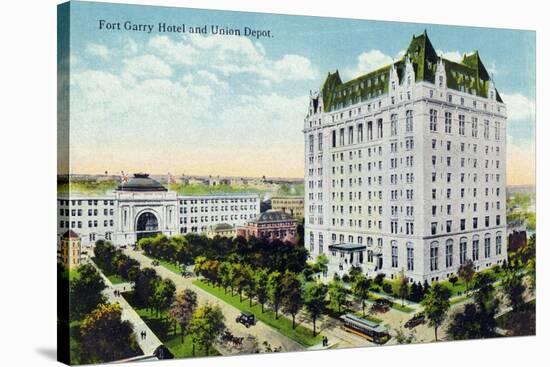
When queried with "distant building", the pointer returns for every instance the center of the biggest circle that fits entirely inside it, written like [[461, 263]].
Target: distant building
[[271, 225], [265, 205], [222, 230], [70, 252], [293, 205], [143, 207], [517, 235]]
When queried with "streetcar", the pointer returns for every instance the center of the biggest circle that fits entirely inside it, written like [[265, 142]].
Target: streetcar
[[369, 330]]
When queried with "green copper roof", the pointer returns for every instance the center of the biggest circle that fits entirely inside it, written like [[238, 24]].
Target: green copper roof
[[469, 76]]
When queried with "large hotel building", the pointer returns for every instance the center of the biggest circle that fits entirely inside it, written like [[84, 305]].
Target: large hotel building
[[405, 168], [142, 207]]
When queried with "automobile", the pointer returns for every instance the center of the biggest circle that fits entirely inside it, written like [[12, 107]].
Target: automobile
[[381, 305], [246, 318], [416, 320]]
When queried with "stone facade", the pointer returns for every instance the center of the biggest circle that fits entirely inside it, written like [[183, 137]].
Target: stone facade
[[408, 161]]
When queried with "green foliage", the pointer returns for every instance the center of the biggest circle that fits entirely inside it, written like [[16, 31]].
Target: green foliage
[[436, 304], [105, 337], [337, 295], [85, 291], [513, 287], [275, 290], [360, 290], [262, 286], [163, 294], [292, 299], [204, 189], [299, 334], [206, 325], [182, 309], [314, 300], [87, 187], [466, 271]]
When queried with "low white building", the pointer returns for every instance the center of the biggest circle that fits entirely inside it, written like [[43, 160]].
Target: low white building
[[142, 207]]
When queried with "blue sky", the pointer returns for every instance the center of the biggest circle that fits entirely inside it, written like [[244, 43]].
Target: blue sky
[[235, 105]]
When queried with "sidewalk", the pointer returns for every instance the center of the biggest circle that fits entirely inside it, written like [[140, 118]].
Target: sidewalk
[[151, 341]]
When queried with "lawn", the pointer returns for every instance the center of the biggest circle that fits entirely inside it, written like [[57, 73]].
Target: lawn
[[369, 317], [116, 279], [173, 267], [165, 331], [283, 324]]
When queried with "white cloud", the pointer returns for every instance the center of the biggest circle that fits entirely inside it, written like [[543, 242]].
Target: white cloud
[[455, 56], [147, 66], [232, 55], [519, 107], [369, 61], [210, 78], [173, 52], [99, 50], [131, 47]]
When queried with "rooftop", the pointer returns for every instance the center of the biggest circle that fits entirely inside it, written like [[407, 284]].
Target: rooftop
[[273, 216], [71, 234], [141, 182], [469, 76]]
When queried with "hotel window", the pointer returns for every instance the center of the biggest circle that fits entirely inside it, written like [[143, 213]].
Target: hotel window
[[350, 135], [498, 220], [487, 221], [463, 224], [333, 139], [409, 121], [487, 247], [433, 120], [394, 262], [475, 249], [449, 253], [486, 129], [434, 254], [497, 131], [410, 257], [311, 143], [342, 137], [448, 122], [320, 142], [474, 223], [393, 124], [449, 226], [461, 125], [463, 250], [498, 243], [434, 228]]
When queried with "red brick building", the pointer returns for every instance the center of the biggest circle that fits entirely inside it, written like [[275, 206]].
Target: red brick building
[[271, 225]]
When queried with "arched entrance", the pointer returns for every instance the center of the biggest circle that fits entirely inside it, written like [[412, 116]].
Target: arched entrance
[[147, 225]]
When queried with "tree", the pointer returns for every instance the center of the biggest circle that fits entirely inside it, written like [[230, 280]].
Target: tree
[[182, 309], [401, 287], [275, 290], [337, 294], [453, 280], [417, 292], [249, 285], [513, 287], [238, 279], [163, 295], [262, 282], [402, 338], [292, 299], [321, 264], [224, 275], [466, 271], [105, 337], [314, 301], [199, 265], [206, 325], [360, 289], [144, 285], [85, 291], [466, 324], [379, 279], [436, 304]]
